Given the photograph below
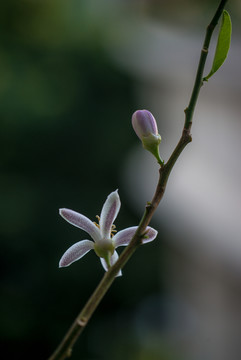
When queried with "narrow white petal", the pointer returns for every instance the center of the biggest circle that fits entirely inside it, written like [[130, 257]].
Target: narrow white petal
[[76, 252], [150, 235], [113, 260], [123, 237], [81, 221], [108, 214], [103, 263]]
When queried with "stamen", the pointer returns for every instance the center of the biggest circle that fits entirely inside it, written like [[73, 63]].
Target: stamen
[[113, 227], [98, 218]]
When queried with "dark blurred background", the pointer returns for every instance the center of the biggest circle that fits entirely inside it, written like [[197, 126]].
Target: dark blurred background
[[66, 99]]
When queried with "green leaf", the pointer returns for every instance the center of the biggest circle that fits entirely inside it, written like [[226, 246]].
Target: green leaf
[[223, 44]]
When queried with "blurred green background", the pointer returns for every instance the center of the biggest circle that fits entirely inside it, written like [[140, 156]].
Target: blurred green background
[[65, 110]]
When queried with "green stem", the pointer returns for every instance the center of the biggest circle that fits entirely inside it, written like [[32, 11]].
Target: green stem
[[65, 348], [199, 76]]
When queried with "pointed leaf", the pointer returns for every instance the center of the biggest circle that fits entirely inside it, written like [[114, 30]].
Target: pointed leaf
[[223, 44]]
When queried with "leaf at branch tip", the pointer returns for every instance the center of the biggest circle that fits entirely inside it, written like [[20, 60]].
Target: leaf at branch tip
[[223, 44]]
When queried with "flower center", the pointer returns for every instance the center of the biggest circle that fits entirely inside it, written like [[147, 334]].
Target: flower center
[[113, 227]]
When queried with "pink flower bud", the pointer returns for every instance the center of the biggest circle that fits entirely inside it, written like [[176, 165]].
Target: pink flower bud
[[144, 123], [145, 127]]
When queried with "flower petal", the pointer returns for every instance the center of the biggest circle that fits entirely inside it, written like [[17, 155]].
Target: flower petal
[[123, 237], [81, 221], [150, 235], [144, 123], [75, 252], [113, 260], [108, 214]]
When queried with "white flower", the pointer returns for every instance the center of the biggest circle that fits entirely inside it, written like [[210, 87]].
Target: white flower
[[104, 242]]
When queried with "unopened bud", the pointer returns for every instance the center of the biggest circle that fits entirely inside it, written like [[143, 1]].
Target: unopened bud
[[145, 127]]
